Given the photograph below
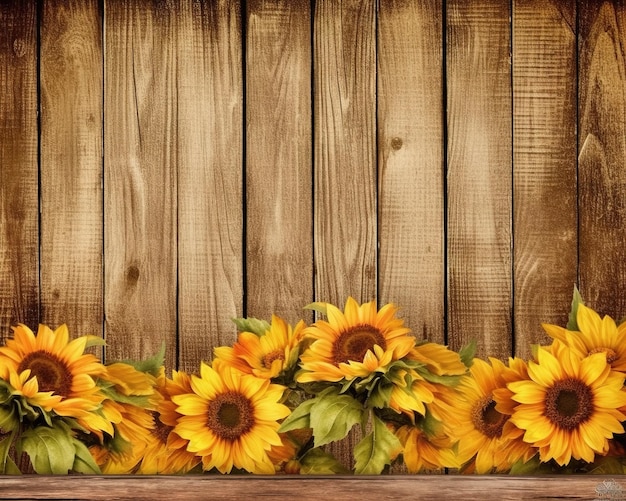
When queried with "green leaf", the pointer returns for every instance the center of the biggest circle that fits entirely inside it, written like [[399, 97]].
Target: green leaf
[[300, 417], [150, 365], [83, 460], [51, 450], [318, 307], [572, 323], [95, 341], [5, 446], [254, 325], [374, 452], [319, 462], [467, 353], [333, 416]]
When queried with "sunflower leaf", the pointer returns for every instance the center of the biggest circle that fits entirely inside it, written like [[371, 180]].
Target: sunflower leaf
[[375, 450], [319, 462], [300, 417], [467, 353], [50, 450], [150, 365], [7, 465], [254, 325], [333, 416], [572, 323], [318, 307], [94, 341]]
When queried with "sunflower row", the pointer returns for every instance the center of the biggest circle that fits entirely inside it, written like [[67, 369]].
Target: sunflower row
[[274, 400]]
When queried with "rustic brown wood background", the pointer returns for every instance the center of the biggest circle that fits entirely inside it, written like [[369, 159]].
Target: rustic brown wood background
[[167, 165]]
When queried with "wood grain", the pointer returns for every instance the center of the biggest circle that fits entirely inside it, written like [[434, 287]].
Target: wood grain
[[279, 237], [602, 143], [71, 166], [411, 163], [140, 183], [344, 69], [479, 174], [209, 159], [344, 199], [19, 211], [544, 163], [307, 488]]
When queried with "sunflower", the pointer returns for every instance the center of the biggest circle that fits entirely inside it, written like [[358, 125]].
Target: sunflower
[[231, 418], [265, 356], [357, 342], [424, 452], [61, 369], [569, 406], [484, 439], [166, 452], [595, 335]]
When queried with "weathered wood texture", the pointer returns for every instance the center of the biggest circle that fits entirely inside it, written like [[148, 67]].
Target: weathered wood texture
[[479, 175], [344, 140], [209, 155], [544, 167], [601, 149], [19, 209], [140, 183], [279, 234], [411, 163], [311, 489], [71, 165]]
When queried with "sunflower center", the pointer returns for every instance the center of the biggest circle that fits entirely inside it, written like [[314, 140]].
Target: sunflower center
[[487, 419], [230, 415], [270, 357], [353, 343], [161, 431], [569, 403], [611, 356], [52, 374]]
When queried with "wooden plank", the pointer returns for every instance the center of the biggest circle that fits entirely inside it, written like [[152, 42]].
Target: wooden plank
[[602, 142], [310, 488], [345, 224], [410, 163], [19, 204], [278, 159], [71, 165], [478, 71], [344, 68], [544, 163], [210, 156], [140, 179]]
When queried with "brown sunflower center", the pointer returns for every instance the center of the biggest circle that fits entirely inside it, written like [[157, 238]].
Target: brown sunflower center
[[569, 403], [230, 415], [611, 356], [487, 419], [161, 431], [52, 373], [353, 343], [270, 357]]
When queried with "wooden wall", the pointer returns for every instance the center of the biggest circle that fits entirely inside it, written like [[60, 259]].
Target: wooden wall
[[166, 165]]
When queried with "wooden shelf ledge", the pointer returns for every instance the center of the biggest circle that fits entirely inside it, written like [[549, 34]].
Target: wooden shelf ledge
[[305, 488]]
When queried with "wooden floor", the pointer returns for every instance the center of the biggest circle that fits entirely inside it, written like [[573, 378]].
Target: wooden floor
[[313, 489]]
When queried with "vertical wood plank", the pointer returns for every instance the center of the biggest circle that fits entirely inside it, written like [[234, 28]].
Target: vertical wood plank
[[71, 165], [19, 210], [278, 159], [479, 175], [344, 150], [544, 161], [602, 143], [210, 156], [410, 160], [345, 157], [140, 179]]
